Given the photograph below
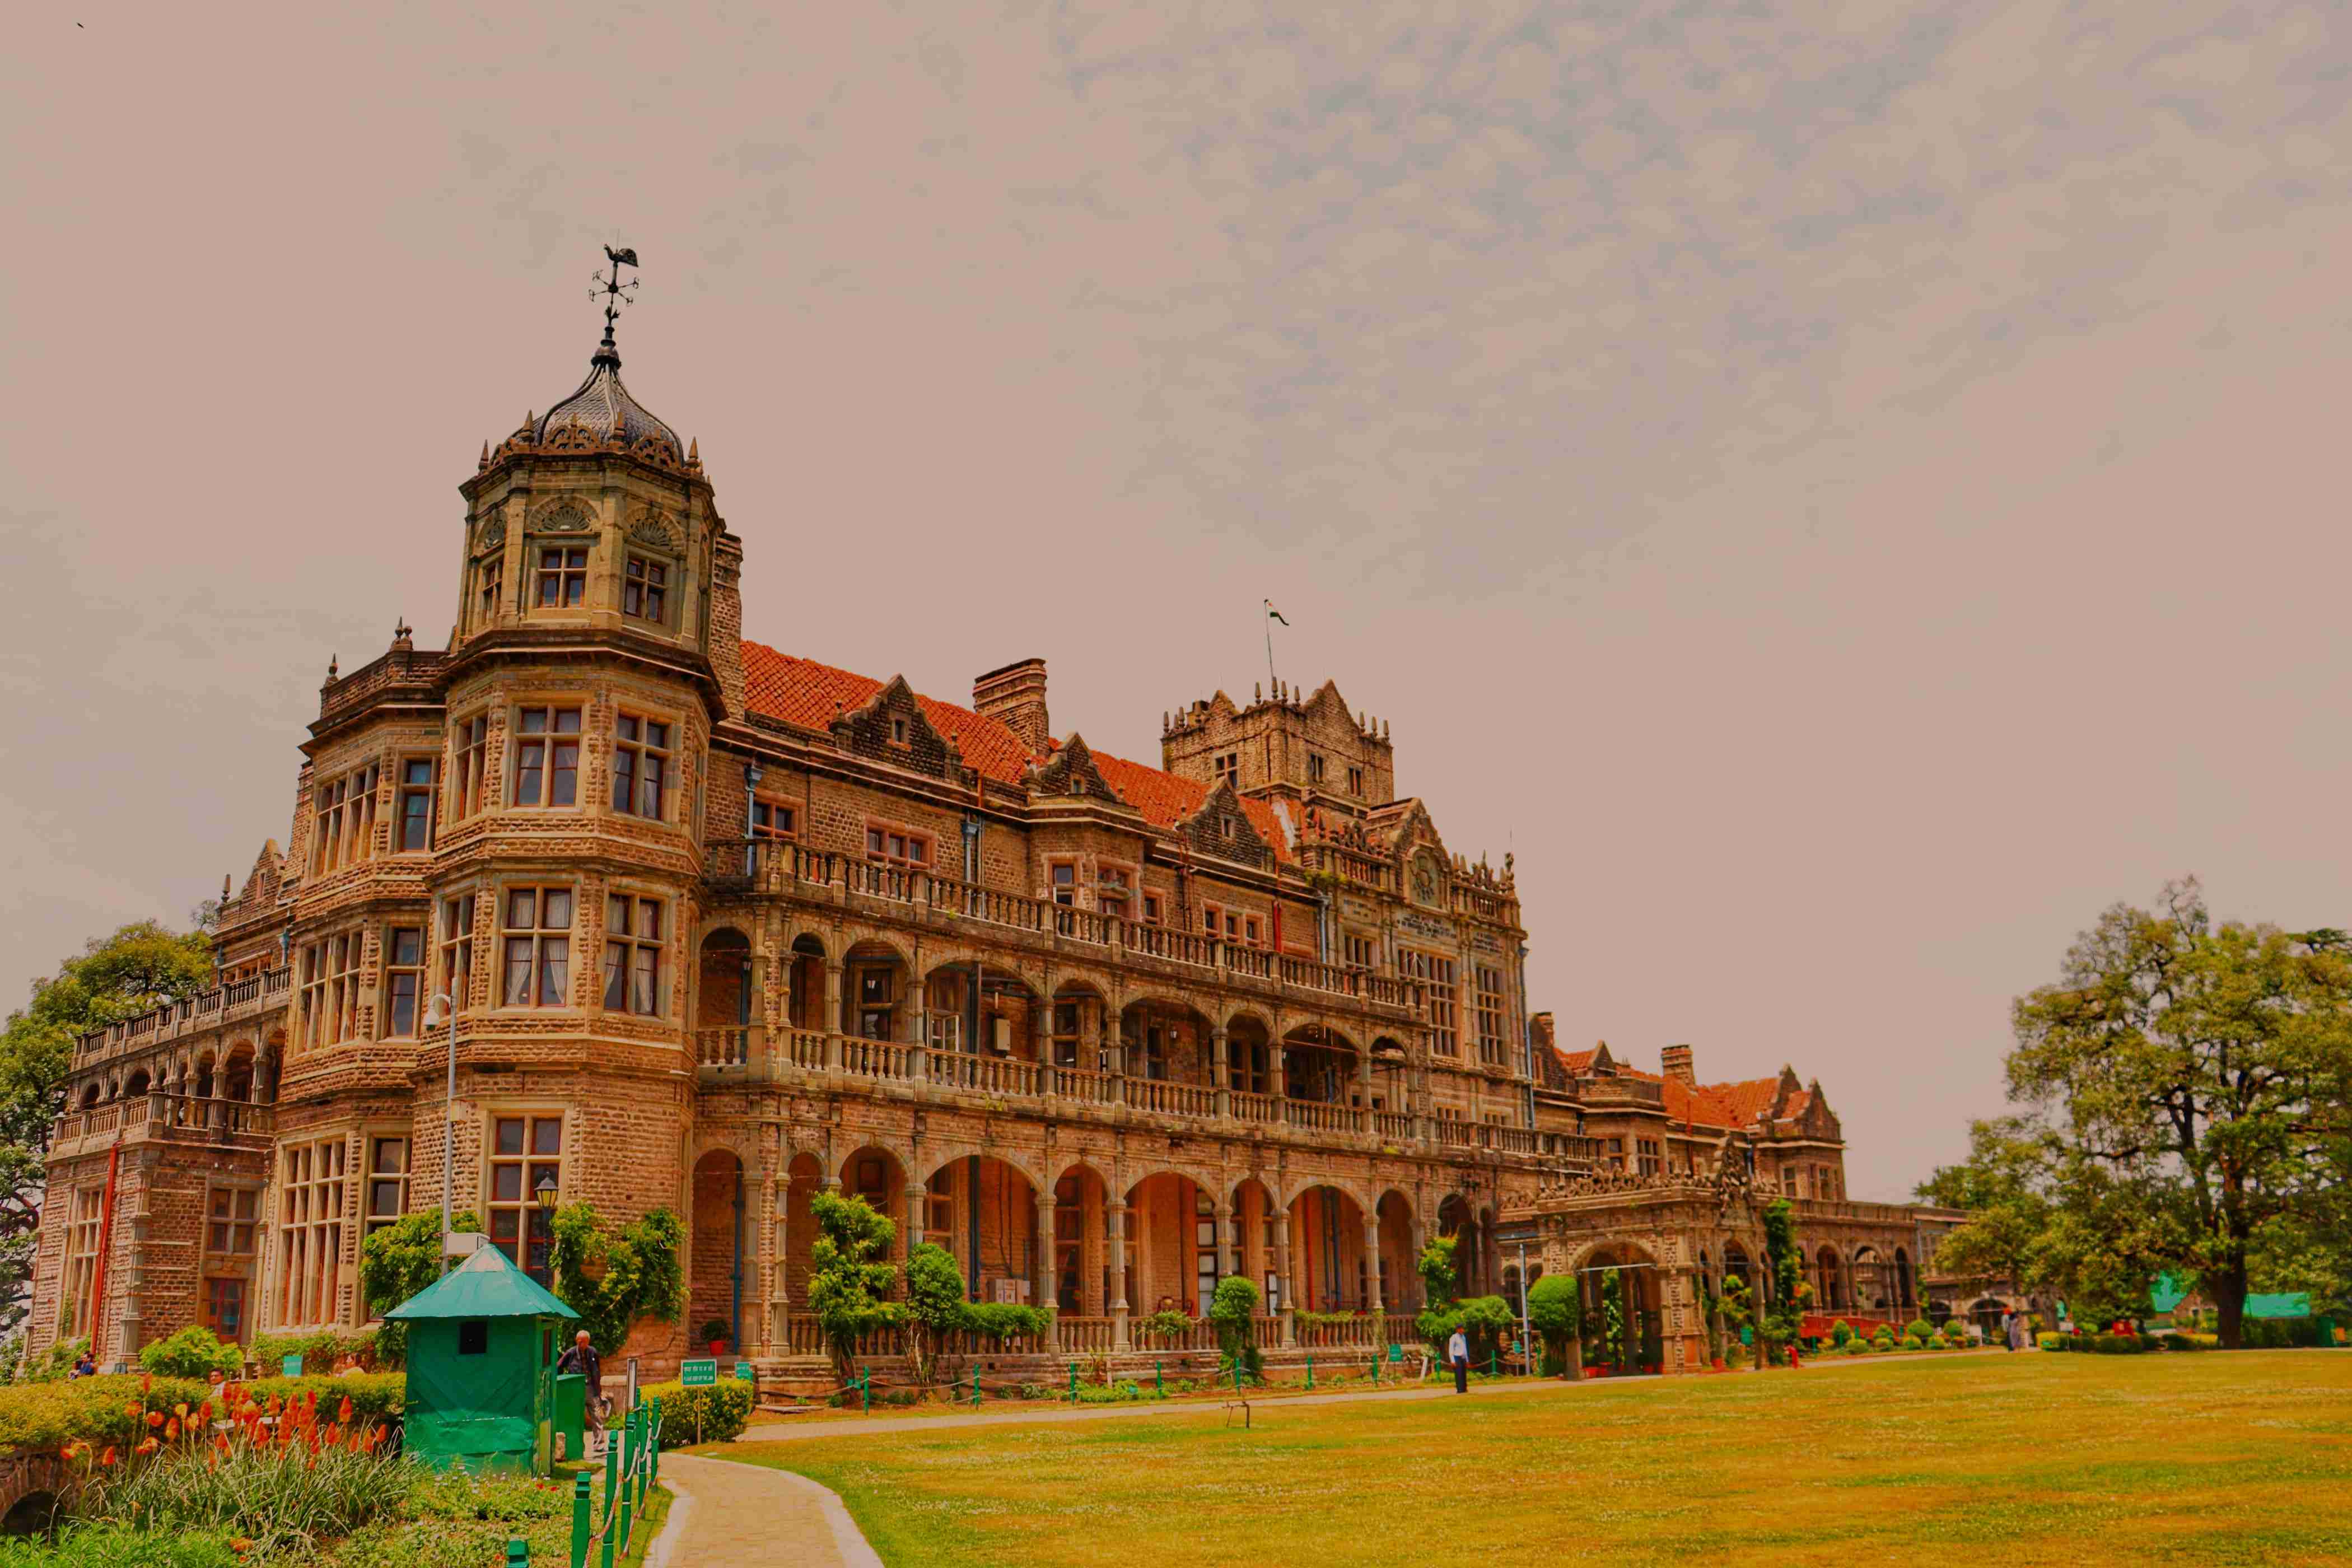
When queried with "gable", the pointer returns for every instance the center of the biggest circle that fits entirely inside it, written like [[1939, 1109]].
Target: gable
[[807, 695], [1221, 828], [1071, 772], [891, 727]]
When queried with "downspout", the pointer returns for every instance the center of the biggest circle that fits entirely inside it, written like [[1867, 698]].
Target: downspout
[[972, 1210], [105, 1245], [735, 1275]]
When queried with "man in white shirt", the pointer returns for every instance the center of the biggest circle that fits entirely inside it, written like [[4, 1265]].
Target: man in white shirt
[[1458, 1350]]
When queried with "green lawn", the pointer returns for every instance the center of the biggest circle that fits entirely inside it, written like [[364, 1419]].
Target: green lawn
[[1982, 1460]]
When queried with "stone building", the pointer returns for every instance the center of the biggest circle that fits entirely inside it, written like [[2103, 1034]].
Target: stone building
[[716, 927]]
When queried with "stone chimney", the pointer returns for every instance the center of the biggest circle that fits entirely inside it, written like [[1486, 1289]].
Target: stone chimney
[[1676, 1061], [1015, 697]]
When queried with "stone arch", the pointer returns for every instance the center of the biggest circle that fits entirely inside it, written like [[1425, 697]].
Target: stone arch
[[1829, 1293], [1329, 1266], [983, 1209], [137, 1083], [1171, 1247], [1873, 1289], [1906, 1289], [1456, 1217], [1080, 1269], [798, 1183], [1639, 1291], [878, 999], [1400, 1251], [806, 956], [238, 1072], [92, 1094], [718, 1279]]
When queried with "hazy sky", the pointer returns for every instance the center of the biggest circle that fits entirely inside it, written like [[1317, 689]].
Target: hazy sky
[[1844, 492]]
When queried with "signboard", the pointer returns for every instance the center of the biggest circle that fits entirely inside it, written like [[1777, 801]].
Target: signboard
[[290, 1367], [744, 1373], [1396, 1354], [701, 1373]]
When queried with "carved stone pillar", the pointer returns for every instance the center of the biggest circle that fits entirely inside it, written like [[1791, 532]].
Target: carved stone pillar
[[831, 1021], [1374, 1303], [1281, 1273], [1220, 1071], [1045, 1265], [1119, 1308], [917, 1200]]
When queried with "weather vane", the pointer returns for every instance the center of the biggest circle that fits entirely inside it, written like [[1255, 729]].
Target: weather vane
[[611, 290]]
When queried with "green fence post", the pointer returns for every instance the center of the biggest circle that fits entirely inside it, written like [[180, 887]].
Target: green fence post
[[1074, 1383], [1376, 1363], [518, 1552], [615, 1457], [580, 1520], [653, 1451], [1493, 1362], [975, 1387], [1159, 1378], [1237, 1374], [1310, 1370], [865, 1391]]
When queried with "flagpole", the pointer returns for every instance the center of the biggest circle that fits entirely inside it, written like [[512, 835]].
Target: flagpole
[[1269, 647]]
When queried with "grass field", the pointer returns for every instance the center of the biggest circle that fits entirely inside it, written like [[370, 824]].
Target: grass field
[[1982, 1460]]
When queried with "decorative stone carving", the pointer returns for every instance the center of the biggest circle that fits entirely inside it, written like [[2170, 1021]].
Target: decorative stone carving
[[493, 536], [650, 526]]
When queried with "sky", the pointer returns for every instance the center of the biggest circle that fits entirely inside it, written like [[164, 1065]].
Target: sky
[[1842, 493]]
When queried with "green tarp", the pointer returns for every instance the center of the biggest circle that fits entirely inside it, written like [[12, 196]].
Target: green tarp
[[2171, 1290], [481, 1347]]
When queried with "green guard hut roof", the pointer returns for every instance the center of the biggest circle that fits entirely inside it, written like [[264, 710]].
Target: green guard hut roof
[[485, 1285]]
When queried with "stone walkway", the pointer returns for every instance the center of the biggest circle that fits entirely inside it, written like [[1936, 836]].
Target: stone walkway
[[748, 1516]]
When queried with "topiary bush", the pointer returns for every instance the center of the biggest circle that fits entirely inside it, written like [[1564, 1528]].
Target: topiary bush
[[724, 1408], [100, 1410], [194, 1352]]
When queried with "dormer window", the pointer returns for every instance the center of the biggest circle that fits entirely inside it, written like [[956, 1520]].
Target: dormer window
[[562, 576], [645, 590], [489, 580]]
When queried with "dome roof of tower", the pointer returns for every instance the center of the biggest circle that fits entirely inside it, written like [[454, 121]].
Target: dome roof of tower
[[590, 413]]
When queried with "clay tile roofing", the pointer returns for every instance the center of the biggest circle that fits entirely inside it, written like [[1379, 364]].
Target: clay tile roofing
[[1748, 1101], [1574, 1061], [806, 694]]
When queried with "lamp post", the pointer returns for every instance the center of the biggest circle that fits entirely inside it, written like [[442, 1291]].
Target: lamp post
[[543, 1190], [438, 1010]]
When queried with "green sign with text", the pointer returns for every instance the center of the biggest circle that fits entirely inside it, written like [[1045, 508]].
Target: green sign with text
[[743, 1372], [701, 1373]]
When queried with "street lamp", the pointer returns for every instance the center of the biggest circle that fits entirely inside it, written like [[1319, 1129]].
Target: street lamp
[[438, 1010], [543, 1190]]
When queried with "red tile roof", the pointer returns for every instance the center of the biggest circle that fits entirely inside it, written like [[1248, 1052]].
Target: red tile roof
[[1725, 1105], [1574, 1061], [804, 693]]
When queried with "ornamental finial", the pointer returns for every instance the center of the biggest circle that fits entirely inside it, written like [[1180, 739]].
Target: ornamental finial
[[615, 294]]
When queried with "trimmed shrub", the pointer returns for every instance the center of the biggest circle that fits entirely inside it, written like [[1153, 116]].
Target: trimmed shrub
[[724, 1409], [374, 1395], [319, 1352], [60, 1361], [195, 1353], [51, 1414]]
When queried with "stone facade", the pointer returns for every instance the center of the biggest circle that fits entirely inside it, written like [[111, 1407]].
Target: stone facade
[[720, 928]]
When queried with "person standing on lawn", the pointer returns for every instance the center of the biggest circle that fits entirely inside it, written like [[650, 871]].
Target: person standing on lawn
[[1458, 1350], [582, 1359]]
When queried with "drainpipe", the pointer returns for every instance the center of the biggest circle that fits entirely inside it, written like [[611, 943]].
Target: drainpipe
[[971, 1220], [105, 1245], [735, 1275]]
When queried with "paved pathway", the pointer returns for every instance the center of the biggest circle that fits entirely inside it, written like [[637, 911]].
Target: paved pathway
[[748, 1516]]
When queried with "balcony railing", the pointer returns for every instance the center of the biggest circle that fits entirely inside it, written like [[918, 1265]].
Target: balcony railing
[[238, 998], [777, 868], [177, 1116], [808, 1058]]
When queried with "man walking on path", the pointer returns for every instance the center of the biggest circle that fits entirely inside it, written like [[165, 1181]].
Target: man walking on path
[[582, 1359], [1458, 1350]]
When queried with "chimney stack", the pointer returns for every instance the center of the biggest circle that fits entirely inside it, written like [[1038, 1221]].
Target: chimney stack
[[1676, 1060], [1015, 697]]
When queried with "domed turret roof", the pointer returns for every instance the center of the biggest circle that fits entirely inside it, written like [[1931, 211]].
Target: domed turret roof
[[600, 404]]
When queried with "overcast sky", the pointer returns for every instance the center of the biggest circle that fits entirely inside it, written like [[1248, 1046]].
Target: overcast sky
[[1843, 492]]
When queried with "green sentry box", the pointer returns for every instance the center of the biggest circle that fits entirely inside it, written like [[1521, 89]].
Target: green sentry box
[[571, 1415]]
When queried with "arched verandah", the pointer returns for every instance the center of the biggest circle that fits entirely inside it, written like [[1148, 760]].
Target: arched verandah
[[1332, 1252], [1624, 1297], [984, 1212], [719, 1264]]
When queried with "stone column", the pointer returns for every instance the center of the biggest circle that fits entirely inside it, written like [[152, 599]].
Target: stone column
[[1277, 1076], [1374, 1303], [1220, 1072], [1281, 1273], [1117, 1305], [831, 1021], [1226, 1221], [916, 1198], [1045, 1265]]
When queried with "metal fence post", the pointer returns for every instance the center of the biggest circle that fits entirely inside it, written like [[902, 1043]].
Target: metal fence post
[[580, 1520]]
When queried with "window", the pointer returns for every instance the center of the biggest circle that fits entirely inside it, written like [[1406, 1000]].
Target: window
[[1356, 783], [404, 980], [310, 1231], [893, 846], [1113, 891], [414, 827], [225, 1308], [231, 1215], [640, 767], [1062, 877], [1066, 1033], [1488, 992], [1436, 975], [1250, 933], [1646, 1151], [1612, 1153], [473, 756], [772, 819], [538, 928], [1789, 1179], [645, 590], [490, 585], [547, 757], [1229, 769], [525, 1152], [346, 813], [76, 1310], [1151, 908], [387, 1181], [1356, 949], [474, 1336], [328, 1006], [1315, 767], [897, 732], [633, 934], [877, 1005], [457, 950], [562, 576]]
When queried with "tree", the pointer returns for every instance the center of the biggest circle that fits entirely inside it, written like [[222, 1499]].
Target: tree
[[935, 1306], [2193, 1077], [397, 1262], [847, 1285], [1556, 1314], [613, 1281], [140, 967], [1232, 1311]]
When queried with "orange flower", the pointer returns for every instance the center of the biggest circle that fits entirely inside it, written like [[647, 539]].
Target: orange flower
[[154, 1418], [241, 1545], [147, 1447], [181, 1410], [108, 1457], [221, 1442], [343, 1411], [147, 1384], [130, 1408], [275, 1406], [211, 1462], [172, 1429]]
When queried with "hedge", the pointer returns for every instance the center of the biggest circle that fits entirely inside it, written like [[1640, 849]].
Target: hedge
[[51, 1414], [319, 1352], [725, 1409], [374, 1395]]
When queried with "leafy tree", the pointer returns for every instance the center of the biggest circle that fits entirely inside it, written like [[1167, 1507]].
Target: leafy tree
[[1784, 1314], [1232, 1311], [613, 1281], [1556, 1314], [397, 1262], [1439, 1279], [2193, 1076], [935, 1306], [846, 1285], [138, 967]]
